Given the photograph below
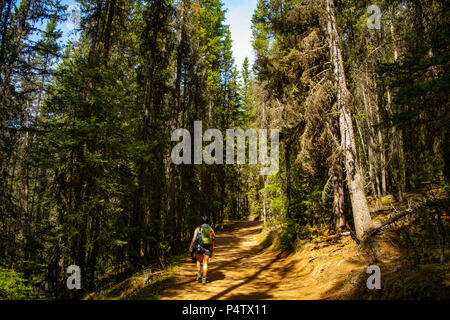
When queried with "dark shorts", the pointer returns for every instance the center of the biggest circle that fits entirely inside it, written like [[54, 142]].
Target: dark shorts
[[204, 249]]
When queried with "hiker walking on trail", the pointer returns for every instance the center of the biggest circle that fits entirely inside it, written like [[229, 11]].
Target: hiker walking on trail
[[202, 245]]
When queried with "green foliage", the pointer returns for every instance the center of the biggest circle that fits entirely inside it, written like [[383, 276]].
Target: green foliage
[[446, 186], [275, 198], [13, 286], [307, 215]]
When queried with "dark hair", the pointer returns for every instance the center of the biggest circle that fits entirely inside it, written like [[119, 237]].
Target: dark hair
[[205, 219]]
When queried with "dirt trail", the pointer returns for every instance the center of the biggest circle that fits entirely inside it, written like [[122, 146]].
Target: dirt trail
[[241, 269], [328, 267]]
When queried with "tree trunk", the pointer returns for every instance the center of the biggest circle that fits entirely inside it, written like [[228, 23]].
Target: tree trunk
[[288, 179], [361, 215], [338, 198], [396, 145], [177, 107]]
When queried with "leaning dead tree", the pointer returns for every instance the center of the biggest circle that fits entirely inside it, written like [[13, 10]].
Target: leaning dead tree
[[361, 215], [430, 207]]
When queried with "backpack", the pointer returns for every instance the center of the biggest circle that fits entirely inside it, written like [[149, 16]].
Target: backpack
[[206, 234]]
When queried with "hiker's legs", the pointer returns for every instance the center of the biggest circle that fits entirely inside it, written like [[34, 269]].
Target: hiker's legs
[[205, 265], [199, 262]]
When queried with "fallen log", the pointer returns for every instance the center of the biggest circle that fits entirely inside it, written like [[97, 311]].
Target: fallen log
[[396, 217]]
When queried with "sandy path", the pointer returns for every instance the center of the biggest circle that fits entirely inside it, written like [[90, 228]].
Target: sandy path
[[239, 269]]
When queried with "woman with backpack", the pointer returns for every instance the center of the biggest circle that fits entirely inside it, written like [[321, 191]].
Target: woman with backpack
[[203, 245]]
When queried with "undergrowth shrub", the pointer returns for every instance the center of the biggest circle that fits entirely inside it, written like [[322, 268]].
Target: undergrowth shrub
[[13, 286]]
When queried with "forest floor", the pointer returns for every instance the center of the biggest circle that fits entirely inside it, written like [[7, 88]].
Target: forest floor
[[247, 264], [242, 269]]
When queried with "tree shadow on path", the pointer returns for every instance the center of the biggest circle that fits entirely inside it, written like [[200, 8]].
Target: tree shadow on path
[[248, 280]]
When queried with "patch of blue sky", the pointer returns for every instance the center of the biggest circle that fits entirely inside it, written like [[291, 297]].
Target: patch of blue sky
[[239, 16]]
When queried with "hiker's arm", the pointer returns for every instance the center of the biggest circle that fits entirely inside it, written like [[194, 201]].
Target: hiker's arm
[[193, 239], [212, 244]]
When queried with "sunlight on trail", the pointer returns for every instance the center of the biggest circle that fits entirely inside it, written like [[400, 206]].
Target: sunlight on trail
[[241, 269]]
